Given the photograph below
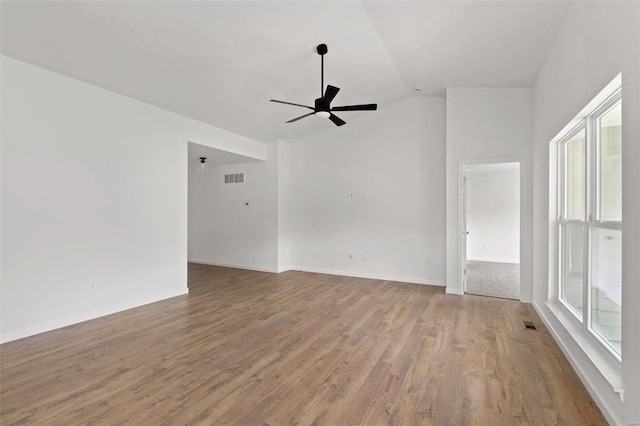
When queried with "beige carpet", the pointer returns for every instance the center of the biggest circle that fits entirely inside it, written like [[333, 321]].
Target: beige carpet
[[493, 279]]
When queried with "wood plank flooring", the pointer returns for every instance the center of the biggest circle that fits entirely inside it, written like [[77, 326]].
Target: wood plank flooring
[[252, 348]]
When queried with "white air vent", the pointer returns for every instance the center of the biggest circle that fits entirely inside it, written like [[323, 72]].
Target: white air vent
[[234, 178]]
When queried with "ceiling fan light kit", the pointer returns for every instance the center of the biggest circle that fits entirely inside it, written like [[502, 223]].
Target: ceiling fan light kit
[[322, 106]]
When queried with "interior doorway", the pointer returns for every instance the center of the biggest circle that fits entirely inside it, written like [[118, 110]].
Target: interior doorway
[[218, 200], [491, 203]]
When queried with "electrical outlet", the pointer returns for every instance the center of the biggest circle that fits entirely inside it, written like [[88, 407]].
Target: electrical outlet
[[349, 256], [484, 246], [92, 285]]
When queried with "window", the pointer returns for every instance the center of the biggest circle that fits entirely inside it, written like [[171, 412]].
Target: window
[[590, 222]]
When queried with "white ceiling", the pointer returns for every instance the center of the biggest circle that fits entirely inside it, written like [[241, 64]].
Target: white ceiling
[[221, 61]]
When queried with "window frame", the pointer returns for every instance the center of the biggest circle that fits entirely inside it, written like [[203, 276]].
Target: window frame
[[563, 222], [590, 124], [603, 109]]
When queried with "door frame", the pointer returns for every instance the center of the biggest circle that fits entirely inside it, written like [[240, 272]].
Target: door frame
[[526, 292], [464, 232]]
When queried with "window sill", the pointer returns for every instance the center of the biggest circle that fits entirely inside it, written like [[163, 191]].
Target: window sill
[[609, 367]]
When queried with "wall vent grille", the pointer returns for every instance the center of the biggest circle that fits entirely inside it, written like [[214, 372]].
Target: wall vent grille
[[234, 178]]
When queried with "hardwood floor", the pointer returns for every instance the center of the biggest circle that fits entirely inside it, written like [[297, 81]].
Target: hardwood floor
[[253, 348]]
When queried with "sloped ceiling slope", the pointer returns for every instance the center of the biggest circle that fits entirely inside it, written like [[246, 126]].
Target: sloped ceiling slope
[[220, 62]]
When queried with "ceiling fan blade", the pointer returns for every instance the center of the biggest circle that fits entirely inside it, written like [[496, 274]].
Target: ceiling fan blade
[[289, 103], [337, 120], [301, 117], [330, 93], [365, 107]]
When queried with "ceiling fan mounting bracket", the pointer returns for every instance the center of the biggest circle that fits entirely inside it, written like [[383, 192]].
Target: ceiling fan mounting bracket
[[322, 49]]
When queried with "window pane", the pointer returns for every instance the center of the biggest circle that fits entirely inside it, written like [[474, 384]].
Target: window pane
[[606, 285], [575, 176], [610, 126], [572, 266]]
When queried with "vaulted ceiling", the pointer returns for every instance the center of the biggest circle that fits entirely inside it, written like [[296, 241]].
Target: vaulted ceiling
[[221, 61]]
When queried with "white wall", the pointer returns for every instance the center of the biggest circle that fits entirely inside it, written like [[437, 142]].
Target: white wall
[[94, 189], [493, 214], [597, 41], [284, 206], [223, 229], [487, 124], [373, 188]]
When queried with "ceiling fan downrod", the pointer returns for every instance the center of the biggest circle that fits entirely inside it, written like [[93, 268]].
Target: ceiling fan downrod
[[322, 50]]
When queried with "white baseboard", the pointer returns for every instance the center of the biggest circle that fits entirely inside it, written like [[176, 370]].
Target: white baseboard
[[404, 279], [236, 266], [455, 291], [384, 277], [584, 378], [75, 319]]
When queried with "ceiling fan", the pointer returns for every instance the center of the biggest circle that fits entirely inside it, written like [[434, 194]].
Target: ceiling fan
[[322, 108]]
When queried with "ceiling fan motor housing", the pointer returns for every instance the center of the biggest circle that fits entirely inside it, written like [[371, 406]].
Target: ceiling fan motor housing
[[321, 105]]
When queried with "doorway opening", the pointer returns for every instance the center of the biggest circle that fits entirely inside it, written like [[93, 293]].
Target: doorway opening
[[219, 197], [491, 229]]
